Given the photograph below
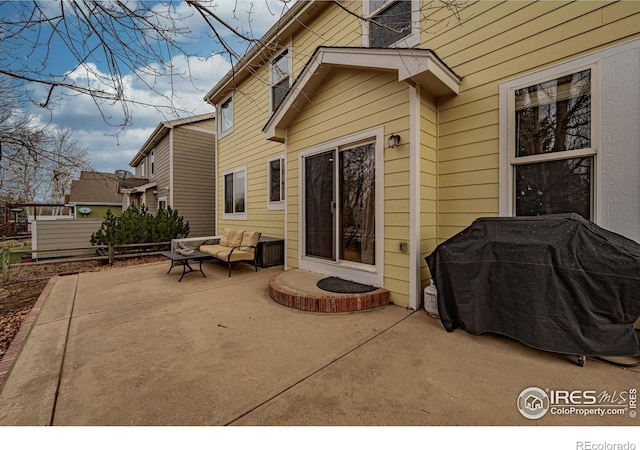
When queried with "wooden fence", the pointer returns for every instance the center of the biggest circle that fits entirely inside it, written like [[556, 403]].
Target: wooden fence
[[108, 253]]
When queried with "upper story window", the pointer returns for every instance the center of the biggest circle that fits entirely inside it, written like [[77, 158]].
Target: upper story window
[[226, 116], [152, 161], [392, 23], [552, 155], [280, 78], [143, 168]]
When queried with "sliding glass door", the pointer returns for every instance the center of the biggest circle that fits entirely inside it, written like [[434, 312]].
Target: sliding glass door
[[339, 204]]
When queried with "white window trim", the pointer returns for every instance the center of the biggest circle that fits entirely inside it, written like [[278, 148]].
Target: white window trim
[[280, 205], [507, 131], [228, 131], [289, 49], [362, 273], [235, 216], [152, 162], [410, 41]]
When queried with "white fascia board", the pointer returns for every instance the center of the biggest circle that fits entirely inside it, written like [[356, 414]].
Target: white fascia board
[[417, 67]]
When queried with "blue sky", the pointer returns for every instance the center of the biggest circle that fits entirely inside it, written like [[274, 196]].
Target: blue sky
[[110, 150]]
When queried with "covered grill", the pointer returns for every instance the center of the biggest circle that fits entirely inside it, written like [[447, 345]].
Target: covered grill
[[557, 283]]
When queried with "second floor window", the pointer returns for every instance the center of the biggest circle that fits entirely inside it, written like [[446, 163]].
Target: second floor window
[[280, 79], [143, 169], [389, 22], [226, 115], [152, 159]]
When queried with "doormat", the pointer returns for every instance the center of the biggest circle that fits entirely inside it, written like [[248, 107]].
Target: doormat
[[340, 286]]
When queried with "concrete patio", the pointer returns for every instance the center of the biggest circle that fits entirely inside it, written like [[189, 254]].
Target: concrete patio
[[135, 347]]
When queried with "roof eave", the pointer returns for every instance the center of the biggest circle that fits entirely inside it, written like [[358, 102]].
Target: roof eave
[[415, 66], [300, 13]]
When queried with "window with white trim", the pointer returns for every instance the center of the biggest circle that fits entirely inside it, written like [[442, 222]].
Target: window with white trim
[[143, 168], [391, 23], [552, 154], [152, 159], [280, 78], [276, 177], [235, 194], [162, 203], [226, 116]]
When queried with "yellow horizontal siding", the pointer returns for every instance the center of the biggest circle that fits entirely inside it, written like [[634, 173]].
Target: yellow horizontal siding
[[246, 146], [496, 42]]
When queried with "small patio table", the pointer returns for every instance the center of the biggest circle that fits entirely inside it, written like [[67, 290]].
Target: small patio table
[[178, 259]]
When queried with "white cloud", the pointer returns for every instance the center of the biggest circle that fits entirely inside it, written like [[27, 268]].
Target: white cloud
[[110, 151], [192, 79]]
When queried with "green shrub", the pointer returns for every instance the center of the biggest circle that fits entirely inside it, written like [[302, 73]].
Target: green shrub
[[135, 226]]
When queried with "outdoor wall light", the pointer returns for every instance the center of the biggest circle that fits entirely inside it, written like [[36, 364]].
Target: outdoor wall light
[[394, 140], [155, 192]]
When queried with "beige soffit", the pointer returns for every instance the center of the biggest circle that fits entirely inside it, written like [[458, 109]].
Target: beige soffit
[[415, 66]]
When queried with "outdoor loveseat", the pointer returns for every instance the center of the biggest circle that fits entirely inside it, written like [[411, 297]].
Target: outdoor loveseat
[[234, 246]]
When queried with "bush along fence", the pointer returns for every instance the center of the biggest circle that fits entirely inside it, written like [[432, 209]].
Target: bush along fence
[[108, 253]]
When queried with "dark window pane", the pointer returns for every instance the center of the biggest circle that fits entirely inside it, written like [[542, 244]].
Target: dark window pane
[[228, 193], [278, 92], [553, 187], [274, 188], [390, 25], [357, 204], [554, 116], [318, 191]]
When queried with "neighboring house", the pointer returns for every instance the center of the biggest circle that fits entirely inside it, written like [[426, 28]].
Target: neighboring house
[[176, 168], [93, 194], [365, 148]]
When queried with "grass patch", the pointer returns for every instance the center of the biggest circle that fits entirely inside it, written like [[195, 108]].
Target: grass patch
[[14, 258]]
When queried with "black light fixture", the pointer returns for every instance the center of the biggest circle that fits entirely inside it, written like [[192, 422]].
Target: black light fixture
[[394, 140]]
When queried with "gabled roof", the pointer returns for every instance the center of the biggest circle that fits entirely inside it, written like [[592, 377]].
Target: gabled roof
[[162, 129], [415, 66], [95, 188]]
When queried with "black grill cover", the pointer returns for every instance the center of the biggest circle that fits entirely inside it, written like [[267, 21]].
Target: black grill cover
[[557, 283]]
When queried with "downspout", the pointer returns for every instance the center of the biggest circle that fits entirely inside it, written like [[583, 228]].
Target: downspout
[[414, 197], [173, 206], [216, 190]]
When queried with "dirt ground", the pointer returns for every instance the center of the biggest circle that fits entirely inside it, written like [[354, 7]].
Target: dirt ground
[[18, 296]]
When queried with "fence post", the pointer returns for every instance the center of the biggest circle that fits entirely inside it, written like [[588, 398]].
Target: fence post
[[6, 260], [111, 253]]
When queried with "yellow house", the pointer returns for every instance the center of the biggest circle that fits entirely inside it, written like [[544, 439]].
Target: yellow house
[[364, 133]]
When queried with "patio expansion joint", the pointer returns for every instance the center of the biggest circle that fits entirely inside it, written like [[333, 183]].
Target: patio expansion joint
[[320, 369], [64, 355]]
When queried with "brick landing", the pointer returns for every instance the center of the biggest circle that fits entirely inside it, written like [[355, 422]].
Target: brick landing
[[297, 289]]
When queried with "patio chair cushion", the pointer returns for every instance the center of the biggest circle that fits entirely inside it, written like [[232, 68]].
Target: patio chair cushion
[[224, 239], [249, 240], [214, 249], [237, 255], [231, 237]]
